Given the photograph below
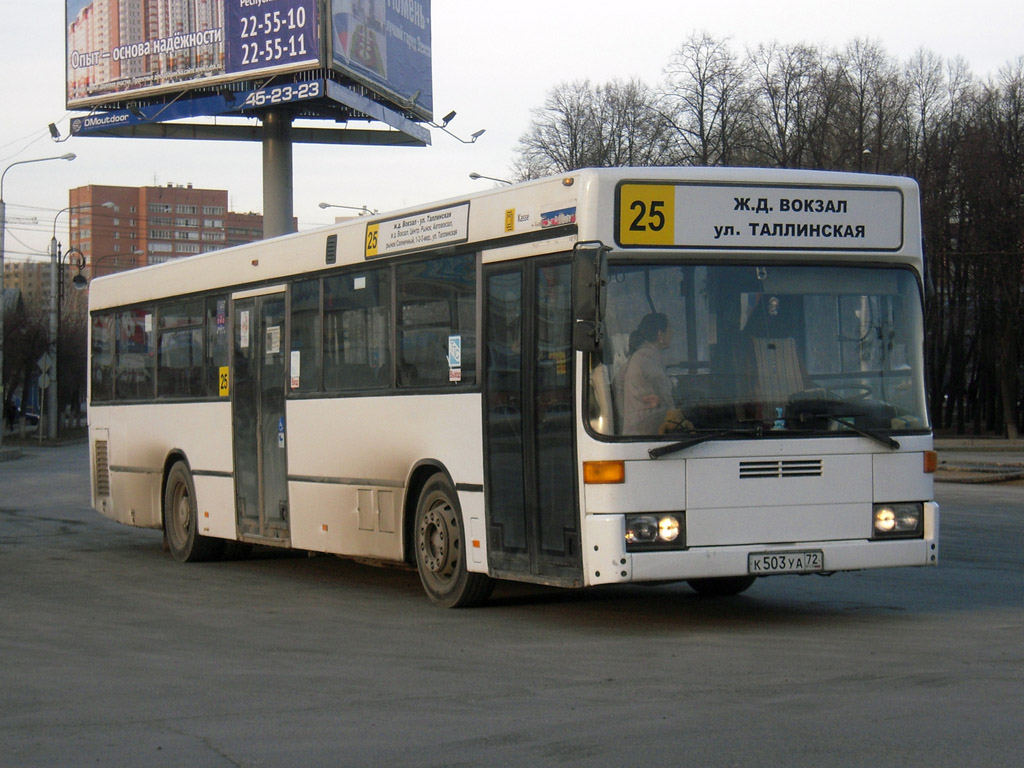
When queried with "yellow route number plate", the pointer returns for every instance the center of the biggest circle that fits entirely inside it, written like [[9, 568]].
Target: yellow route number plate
[[647, 214], [372, 235]]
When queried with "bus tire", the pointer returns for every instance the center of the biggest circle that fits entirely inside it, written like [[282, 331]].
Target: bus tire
[[723, 586], [439, 543], [181, 519]]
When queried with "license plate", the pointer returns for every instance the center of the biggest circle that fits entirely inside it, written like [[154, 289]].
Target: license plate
[[805, 561]]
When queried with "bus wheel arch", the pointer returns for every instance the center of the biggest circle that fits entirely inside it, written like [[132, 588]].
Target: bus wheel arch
[[180, 514], [418, 477], [437, 538]]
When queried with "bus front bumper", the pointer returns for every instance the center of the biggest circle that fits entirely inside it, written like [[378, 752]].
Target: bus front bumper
[[608, 562]]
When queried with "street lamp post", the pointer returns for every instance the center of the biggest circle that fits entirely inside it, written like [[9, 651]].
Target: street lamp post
[[79, 282], [56, 289], [130, 256], [474, 176], [3, 235], [363, 210]]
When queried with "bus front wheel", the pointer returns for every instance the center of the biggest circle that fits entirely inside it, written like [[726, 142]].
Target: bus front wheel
[[181, 519], [440, 546]]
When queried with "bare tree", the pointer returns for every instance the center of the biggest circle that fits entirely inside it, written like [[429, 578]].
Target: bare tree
[[581, 126], [826, 110], [855, 109], [25, 340], [926, 104], [1004, 115], [629, 130], [72, 355], [704, 100], [782, 87], [561, 135], [876, 106]]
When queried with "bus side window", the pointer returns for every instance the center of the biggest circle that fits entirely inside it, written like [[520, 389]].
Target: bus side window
[[437, 322], [180, 349], [304, 364], [102, 358], [216, 348], [134, 358], [357, 330]]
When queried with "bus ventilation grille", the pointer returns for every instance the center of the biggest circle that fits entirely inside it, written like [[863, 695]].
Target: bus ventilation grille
[[102, 468], [780, 468]]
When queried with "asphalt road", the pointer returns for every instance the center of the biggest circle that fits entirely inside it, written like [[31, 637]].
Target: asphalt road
[[113, 654]]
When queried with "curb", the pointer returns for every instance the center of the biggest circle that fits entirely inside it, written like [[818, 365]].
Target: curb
[[978, 444], [10, 454], [976, 474]]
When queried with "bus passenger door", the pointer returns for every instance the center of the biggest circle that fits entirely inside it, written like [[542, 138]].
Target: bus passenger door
[[533, 522], [258, 414]]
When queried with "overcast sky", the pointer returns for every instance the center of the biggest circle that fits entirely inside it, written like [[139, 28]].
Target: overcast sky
[[492, 62]]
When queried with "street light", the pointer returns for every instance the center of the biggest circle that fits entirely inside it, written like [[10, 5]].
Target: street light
[[56, 291], [443, 125], [79, 282], [3, 235], [474, 176], [363, 210]]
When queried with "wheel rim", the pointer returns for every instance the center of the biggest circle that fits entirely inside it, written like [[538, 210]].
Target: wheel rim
[[439, 540], [181, 515]]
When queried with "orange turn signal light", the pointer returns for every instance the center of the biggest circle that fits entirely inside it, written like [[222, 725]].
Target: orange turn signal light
[[931, 462], [604, 472]]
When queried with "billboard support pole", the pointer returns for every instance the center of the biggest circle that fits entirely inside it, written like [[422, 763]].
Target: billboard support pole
[[278, 214]]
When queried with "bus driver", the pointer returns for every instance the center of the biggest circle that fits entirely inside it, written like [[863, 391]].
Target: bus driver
[[647, 403]]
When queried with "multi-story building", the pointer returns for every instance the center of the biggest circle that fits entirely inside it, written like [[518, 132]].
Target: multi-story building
[[32, 279], [242, 228], [117, 228]]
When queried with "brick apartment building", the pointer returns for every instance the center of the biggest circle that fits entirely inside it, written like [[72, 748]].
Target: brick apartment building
[[31, 278], [117, 228]]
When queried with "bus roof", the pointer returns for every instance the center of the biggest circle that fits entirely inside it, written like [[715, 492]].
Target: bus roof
[[729, 212]]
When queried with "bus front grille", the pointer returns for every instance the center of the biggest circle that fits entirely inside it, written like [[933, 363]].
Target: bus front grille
[[780, 468]]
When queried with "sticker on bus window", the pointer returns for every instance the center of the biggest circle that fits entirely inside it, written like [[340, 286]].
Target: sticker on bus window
[[455, 351], [455, 358], [561, 362], [223, 379], [243, 329], [296, 362], [273, 340]]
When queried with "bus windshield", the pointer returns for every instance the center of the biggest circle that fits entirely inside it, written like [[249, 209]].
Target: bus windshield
[[772, 350]]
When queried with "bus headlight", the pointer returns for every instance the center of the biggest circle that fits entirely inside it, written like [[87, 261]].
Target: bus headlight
[[649, 532], [902, 520]]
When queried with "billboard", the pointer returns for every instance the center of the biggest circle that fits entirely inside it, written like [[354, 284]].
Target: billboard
[[385, 44], [123, 49], [130, 50]]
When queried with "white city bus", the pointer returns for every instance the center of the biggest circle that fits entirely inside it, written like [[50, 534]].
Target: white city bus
[[609, 376]]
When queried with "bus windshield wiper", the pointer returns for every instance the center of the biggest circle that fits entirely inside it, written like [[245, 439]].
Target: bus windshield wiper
[[696, 439], [878, 437]]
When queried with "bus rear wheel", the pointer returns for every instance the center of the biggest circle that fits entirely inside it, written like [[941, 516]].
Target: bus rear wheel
[[440, 547], [723, 586], [181, 519]]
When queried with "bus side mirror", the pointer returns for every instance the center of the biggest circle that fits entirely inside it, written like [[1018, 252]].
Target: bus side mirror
[[589, 281]]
